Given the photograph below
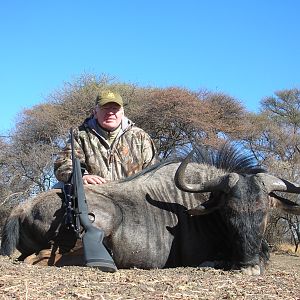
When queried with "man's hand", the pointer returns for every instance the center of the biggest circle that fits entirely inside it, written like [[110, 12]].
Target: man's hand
[[93, 179]]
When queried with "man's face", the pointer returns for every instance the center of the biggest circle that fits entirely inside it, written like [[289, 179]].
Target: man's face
[[109, 115]]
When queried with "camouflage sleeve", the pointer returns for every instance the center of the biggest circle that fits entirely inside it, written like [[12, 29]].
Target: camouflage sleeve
[[63, 162], [150, 156]]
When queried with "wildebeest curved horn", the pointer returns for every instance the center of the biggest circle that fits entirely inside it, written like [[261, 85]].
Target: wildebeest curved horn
[[285, 204], [221, 183], [273, 183]]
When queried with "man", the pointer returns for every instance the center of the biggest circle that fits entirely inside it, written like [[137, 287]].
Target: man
[[109, 145]]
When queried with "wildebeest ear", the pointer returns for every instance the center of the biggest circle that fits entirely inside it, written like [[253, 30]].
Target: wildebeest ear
[[284, 204]]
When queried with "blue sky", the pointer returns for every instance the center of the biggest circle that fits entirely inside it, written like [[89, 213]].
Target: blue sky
[[247, 49]]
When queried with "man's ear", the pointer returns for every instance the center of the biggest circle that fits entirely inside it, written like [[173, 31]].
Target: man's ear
[[94, 111]]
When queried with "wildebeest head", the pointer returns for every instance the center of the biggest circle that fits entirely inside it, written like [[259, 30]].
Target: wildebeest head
[[243, 202]]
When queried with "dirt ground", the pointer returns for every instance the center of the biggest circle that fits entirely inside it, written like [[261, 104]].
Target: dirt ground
[[22, 281]]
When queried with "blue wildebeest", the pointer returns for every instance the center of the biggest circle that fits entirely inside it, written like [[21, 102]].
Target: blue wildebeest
[[214, 211]]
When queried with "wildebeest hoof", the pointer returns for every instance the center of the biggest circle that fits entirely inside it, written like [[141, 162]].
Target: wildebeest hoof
[[251, 270], [207, 264]]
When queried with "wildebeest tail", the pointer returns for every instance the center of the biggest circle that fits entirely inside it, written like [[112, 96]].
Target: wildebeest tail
[[10, 236]]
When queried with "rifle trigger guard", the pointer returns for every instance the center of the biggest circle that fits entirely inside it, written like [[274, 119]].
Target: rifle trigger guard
[[92, 217]]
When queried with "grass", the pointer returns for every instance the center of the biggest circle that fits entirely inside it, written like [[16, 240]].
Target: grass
[[286, 248]]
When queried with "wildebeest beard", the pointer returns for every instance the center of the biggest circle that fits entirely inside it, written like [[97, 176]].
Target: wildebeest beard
[[244, 239], [243, 217]]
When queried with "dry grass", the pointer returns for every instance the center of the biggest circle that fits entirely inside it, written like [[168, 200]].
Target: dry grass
[[287, 248], [23, 281]]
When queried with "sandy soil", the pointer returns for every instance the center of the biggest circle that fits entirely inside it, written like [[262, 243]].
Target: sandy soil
[[22, 281]]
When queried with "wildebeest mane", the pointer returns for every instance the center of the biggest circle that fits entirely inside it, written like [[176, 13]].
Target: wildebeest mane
[[227, 158]]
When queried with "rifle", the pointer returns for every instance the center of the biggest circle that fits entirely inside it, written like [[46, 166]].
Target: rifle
[[77, 216]]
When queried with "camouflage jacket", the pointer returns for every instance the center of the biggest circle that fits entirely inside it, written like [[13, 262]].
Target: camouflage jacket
[[131, 151]]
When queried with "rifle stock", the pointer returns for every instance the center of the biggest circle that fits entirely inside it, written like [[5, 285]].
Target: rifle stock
[[95, 253]]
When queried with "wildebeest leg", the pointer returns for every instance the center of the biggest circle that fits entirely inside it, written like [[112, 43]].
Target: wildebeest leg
[[68, 249], [58, 241], [53, 257]]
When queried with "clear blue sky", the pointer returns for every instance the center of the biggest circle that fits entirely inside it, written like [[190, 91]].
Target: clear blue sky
[[247, 49]]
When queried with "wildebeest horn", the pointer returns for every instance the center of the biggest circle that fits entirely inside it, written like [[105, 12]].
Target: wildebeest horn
[[273, 183], [221, 183], [285, 204]]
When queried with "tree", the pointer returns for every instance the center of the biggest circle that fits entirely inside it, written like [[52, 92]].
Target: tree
[[273, 137], [176, 117]]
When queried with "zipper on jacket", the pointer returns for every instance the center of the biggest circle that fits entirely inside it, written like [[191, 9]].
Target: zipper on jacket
[[110, 162]]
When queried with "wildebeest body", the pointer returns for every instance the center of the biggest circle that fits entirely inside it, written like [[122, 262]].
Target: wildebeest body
[[147, 223], [144, 220]]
